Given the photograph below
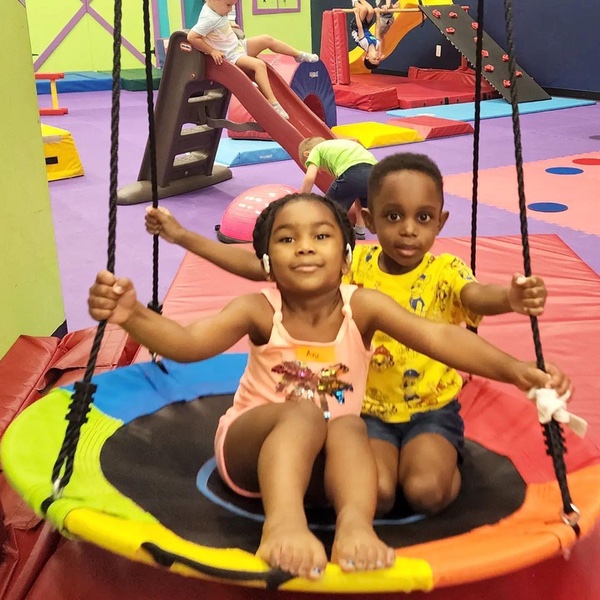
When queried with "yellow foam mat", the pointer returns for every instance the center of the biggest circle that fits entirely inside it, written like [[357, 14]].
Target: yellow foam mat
[[374, 135], [62, 158]]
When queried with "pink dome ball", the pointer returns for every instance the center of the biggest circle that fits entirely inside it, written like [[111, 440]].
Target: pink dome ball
[[240, 216]]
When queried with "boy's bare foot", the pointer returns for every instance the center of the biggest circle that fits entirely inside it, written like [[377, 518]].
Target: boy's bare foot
[[291, 547], [356, 546]]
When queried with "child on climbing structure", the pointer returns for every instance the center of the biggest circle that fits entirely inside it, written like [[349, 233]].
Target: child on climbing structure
[[364, 17], [214, 36], [410, 406], [349, 162]]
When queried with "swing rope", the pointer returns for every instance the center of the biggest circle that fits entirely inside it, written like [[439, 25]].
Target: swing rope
[[83, 396], [154, 304], [476, 141], [553, 431], [476, 134]]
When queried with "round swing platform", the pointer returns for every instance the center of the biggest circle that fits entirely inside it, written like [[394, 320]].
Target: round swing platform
[[145, 486]]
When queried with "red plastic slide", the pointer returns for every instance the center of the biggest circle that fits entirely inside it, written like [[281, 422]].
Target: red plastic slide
[[303, 122]]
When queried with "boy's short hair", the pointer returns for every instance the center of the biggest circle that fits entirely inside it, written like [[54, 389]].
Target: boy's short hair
[[306, 145], [403, 161], [369, 65]]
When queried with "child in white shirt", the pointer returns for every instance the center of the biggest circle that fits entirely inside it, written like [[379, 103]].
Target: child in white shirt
[[213, 35]]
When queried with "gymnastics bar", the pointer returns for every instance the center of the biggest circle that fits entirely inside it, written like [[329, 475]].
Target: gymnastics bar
[[55, 110], [381, 10]]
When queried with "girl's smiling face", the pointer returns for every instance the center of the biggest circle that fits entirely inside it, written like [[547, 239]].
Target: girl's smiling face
[[306, 247]]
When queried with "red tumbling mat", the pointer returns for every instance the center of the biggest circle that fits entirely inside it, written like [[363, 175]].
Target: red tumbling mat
[[334, 41], [364, 95], [462, 75], [433, 127], [383, 92], [569, 327]]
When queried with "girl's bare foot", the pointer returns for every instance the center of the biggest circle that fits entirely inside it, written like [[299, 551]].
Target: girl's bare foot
[[292, 547], [356, 546]]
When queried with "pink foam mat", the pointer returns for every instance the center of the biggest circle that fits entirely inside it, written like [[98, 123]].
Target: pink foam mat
[[498, 187]]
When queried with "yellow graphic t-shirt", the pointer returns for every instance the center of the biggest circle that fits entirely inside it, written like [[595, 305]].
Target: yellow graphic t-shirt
[[401, 381]]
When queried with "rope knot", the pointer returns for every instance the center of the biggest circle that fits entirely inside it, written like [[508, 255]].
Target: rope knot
[[552, 406]]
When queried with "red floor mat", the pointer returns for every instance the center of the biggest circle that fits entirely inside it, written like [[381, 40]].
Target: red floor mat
[[375, 92]]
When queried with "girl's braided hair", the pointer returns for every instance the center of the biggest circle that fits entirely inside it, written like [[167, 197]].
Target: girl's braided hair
[[264, 223]]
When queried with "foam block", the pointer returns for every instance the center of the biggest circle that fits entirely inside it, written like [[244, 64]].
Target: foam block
[[334, 41], [134, 80], [364, 97], [433, 127], [236, 153], [374, 135], [62, 158], [78, 81]]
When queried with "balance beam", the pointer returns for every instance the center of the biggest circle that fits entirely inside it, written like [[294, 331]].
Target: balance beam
[[56, 109]]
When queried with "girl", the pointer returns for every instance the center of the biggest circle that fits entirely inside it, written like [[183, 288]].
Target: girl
[[300, 396]]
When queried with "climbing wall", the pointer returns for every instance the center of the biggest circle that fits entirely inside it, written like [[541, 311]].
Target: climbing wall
[[460, 29]]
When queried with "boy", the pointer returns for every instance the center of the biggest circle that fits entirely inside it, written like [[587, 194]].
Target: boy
[[349, 162], [364, 17], [214, 36], [410, 409]]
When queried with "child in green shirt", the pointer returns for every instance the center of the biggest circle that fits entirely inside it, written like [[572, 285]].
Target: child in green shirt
[[349, 162]]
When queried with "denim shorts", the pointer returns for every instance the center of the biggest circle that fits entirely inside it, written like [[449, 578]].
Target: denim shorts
[[353, 183], [445, 421]]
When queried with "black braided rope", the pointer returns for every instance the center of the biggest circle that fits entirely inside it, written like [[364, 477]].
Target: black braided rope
[[552, 431], [154, 304], [84, 390], [476, 141]]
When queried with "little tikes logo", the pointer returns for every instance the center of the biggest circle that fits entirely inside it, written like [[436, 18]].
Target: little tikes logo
[[185, 47]]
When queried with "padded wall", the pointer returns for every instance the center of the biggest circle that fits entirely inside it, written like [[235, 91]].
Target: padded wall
[[31, 300]]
